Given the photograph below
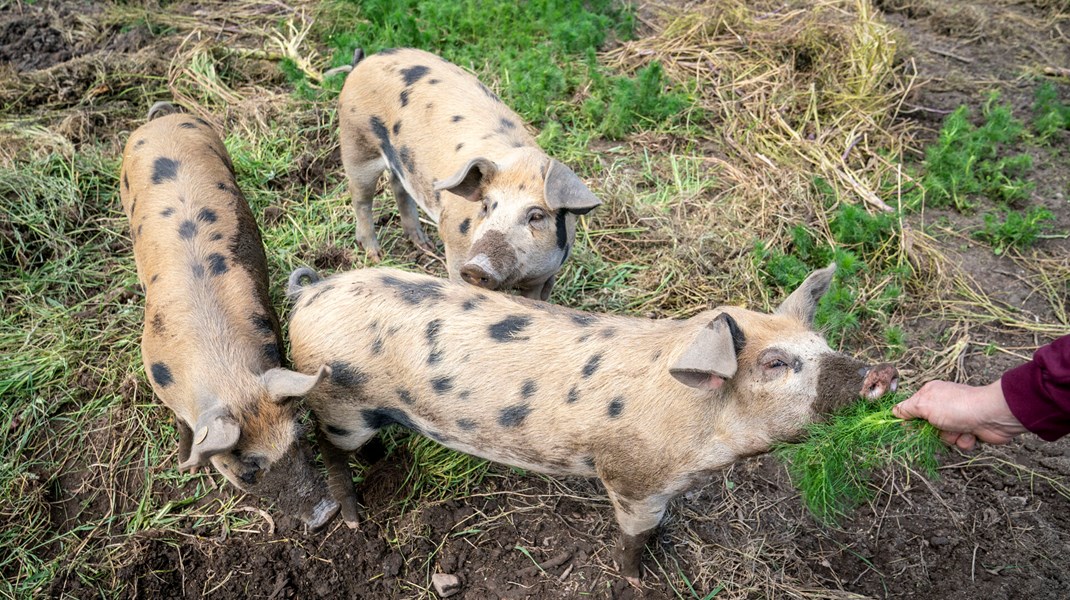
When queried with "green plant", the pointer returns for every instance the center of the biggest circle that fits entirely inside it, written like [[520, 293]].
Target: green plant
[[622, 105], [966, 160], [833, 465], [1049, 114], [1015, 230]]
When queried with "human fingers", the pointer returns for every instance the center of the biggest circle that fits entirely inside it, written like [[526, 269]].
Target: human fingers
[[950, 437], [966, 441]]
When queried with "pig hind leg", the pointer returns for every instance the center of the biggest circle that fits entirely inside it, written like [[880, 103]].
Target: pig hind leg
[[637, 520], [363, 166], [410, 216]]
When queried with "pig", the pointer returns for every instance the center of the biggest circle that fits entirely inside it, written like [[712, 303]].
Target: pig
[[505, 210], [211, 344], [650, 407]]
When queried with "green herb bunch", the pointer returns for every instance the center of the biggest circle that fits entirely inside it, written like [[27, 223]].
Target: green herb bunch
[[833, 465]]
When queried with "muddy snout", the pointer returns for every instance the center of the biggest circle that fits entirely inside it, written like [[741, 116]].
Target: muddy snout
[[298, 489], [879, 380], [491, 262]]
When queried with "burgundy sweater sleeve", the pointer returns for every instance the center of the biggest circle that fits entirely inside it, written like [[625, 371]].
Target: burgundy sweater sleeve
[[1038, 392]]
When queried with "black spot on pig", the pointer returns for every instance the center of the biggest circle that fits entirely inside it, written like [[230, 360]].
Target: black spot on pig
[[592, 365], [458, 147], [187, 229], [197, 270], [154, 278], [217, 264], [433, 329], [379, 418], [589, 461], [271, 354], [387, 51], [528, 389], [216, 236], [139, 229], [414, 293], [507, 124], [465, 224], [513, 416], [488, 93], [413, 74], [654, 357], [562, 229], [377, 346], [466, 424], [202, 122], [206, 215], [187, 125], [221, 186], [338, 431], [473, 302], [607, 333], [441, 385], [404, 98], [509, 328], [164, 169], [139, 143], [396, 128], [438, 437], [433, 81], [346, 375], [616, 406], [161, 374], [167, 212], [126, 185], [456, 118], [573, 395], [405, 396], [464, 395], [158, 326], [263, 324], [406, 159], [523, 186], [582, 319], [391, 155]]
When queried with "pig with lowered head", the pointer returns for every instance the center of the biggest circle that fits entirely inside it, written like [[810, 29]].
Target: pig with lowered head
[[211, 344], [650, 407], [505, 210]]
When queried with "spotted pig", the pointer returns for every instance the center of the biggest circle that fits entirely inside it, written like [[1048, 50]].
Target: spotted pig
[[506, 211], [650, 407], [211, 345]]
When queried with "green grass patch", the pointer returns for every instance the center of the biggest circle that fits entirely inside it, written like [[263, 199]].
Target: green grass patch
[[1050, 115], [969, 159], [834, 464], [1014, 229]]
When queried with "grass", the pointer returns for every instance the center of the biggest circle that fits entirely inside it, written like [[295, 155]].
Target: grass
[[737, 146], [834, 466], [1018, 230]]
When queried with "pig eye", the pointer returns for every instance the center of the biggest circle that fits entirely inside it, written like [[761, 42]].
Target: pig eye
[[776, 363], [536, 217]]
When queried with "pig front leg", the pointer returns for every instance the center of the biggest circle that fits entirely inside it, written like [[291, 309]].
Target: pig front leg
[[637, 520], [340, 480], [410, 217], [539, 291]]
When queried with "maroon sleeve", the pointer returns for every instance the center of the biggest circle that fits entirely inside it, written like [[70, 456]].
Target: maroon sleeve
[[1038, 392]]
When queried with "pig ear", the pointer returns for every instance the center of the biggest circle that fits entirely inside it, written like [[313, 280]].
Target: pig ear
[[216, 432], [802, 303], [564, 189], [711, 357], [469, 181], [284, 383]]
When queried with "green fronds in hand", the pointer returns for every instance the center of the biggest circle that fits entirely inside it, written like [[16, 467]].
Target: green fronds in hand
[[833, 465]]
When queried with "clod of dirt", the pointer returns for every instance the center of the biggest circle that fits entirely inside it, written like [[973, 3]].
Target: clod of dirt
[[332, 257], [272, 215], [445, 584], [31, 43]]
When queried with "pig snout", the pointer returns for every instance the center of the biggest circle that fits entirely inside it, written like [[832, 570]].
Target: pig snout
[[298, 489], [480, 273], [879, 380]]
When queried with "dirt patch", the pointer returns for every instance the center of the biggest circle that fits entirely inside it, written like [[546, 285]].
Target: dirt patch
[[31, 43]]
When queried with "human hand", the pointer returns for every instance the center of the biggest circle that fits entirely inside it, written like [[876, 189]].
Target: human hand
[[963, 413]]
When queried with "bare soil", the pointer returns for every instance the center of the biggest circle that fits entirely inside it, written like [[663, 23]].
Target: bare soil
[[992, 526]]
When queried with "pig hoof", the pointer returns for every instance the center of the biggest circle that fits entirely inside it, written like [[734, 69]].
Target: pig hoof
[[375, 256], [634, 581], [354, 525]]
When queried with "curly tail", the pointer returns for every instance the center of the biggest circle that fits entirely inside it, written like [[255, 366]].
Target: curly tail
[[358, 55], [162, 109], [294, 286]]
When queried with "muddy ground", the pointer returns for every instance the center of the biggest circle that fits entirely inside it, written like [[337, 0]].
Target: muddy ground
[[992, 526]]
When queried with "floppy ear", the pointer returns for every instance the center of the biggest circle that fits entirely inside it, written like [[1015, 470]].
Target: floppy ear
[[216, 432], [711, 358], [470, 180], [564, 189], [284, 383], [802, 303]]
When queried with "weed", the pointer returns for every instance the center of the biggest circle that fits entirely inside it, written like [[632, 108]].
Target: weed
[[966, 159], [1049, 114], [622, 105], [832, 466], [1015, 230]]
